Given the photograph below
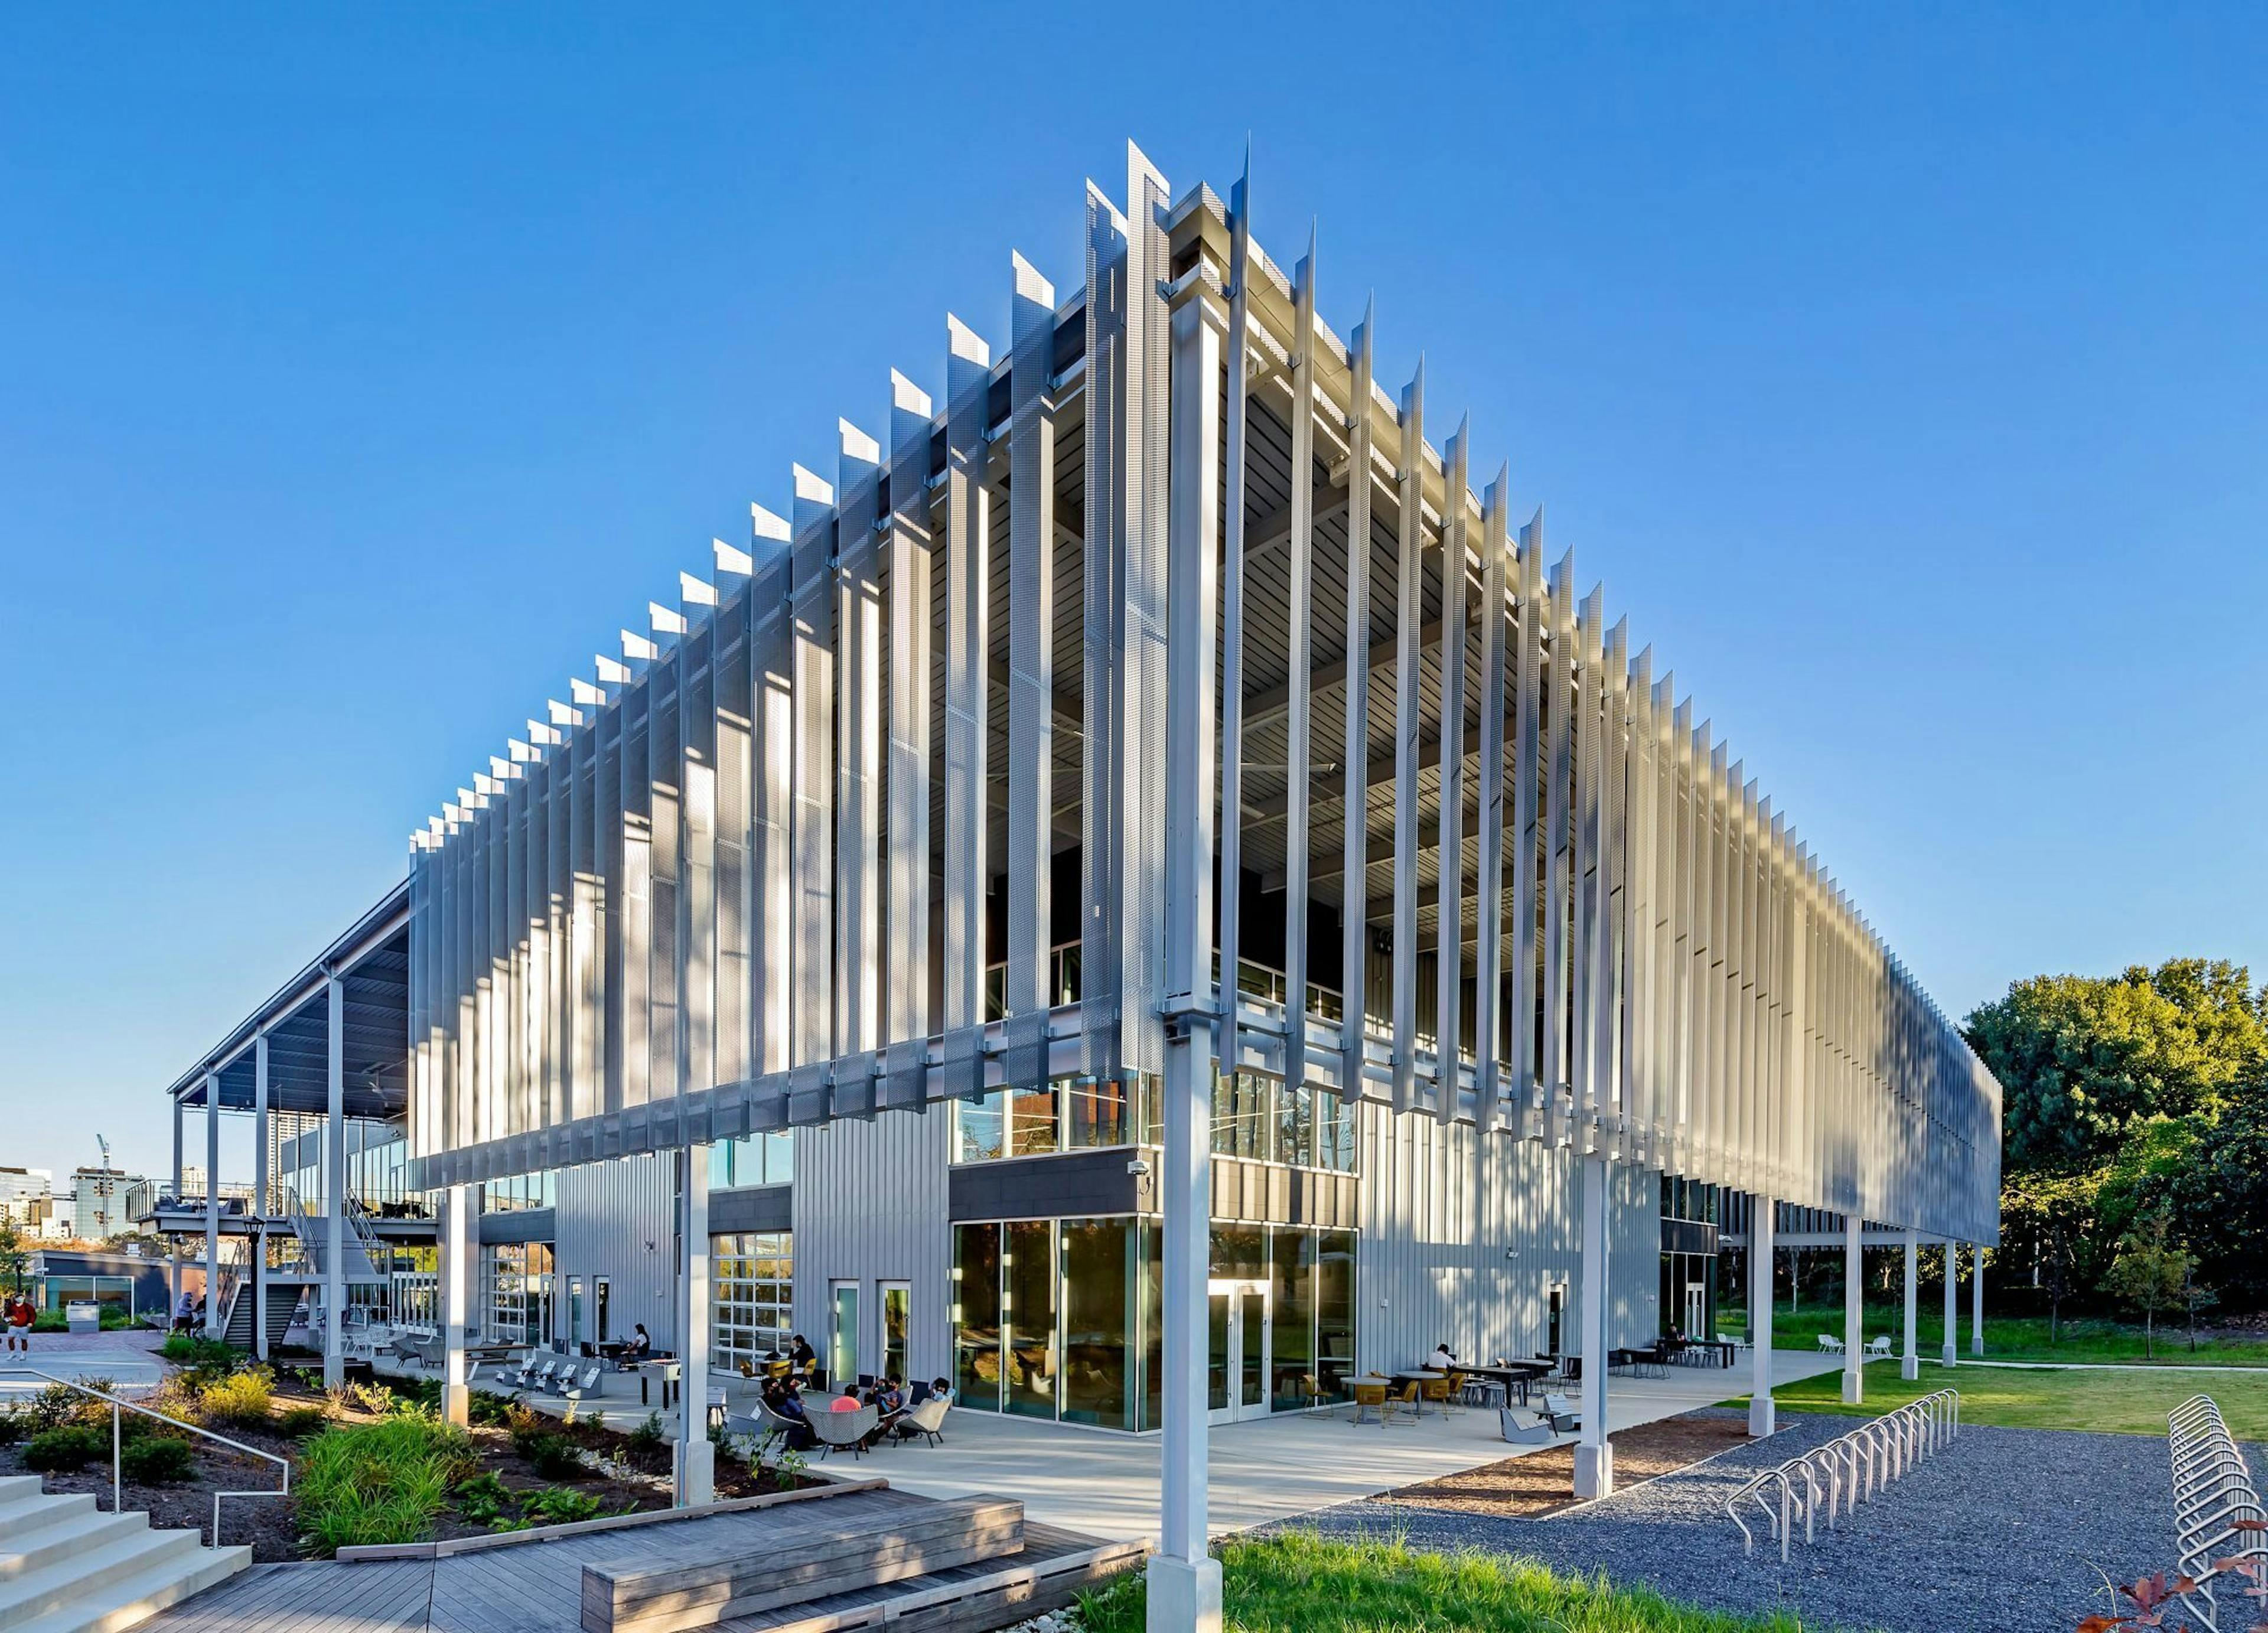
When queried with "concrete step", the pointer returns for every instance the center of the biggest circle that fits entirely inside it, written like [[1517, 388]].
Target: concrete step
[[37, 1593], [39, 1511], [12, 1486], [127, 1601], [80, 1530]]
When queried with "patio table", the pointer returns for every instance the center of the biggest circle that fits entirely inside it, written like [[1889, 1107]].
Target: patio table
[[1519, 1375]]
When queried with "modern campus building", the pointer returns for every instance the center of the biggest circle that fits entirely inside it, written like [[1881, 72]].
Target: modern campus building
[[844, 956]]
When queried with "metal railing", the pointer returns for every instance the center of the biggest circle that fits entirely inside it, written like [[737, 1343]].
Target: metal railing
[[1845, 1472], [2217, 1509], [117, 1442]]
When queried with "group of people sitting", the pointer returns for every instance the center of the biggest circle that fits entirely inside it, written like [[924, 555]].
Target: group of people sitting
[[889, 1395]]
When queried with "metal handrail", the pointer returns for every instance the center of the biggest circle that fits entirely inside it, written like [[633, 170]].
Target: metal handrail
[[2216, 1506], [1847, 1470], [117, 1405]]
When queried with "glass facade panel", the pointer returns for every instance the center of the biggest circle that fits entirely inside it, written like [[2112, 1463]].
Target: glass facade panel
[[1064, 1318], [1334, 1310], [755, 1160], [976, 1316], [1098, 1276], [1029, 1276], [1099, 1113], [752, 1285], [1243, 1113], [980, 1128], [1291, 1275], [1032, 1129], [897, 1318]]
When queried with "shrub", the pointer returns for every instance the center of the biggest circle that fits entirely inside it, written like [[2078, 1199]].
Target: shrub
[[11, 1426], [554, 1457], [485, 1410], [297, 1423], [51, 1322], [379, 1482], [157, 1460], [555, 1505], [209, 1357], [521, 1419], [483, 1499], [245, 1397], [58, 1406], [57, 1449]]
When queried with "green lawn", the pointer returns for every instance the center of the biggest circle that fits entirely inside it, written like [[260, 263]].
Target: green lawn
[[2009, 1338], [1299, 1583], [2113, 1402]]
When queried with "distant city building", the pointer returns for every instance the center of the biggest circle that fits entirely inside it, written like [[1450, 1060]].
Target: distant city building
[[99, 1202], [24, 1193]]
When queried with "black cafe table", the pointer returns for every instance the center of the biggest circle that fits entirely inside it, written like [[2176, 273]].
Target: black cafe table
[[1521, 1375]]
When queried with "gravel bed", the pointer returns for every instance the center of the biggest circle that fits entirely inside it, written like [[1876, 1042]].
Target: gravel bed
[[2010, 1529]]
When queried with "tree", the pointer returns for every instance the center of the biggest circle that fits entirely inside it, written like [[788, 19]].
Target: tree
[[2151, 1273], [2084, 1059], [2195, 1296], [2219, 1196], [2051, 1219], [13, 1260]]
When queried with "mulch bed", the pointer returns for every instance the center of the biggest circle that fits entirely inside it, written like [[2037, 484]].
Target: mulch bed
[[272, 1528], [1543, 1482]]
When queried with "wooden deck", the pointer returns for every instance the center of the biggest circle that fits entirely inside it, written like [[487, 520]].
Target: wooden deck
[[535, 1586]]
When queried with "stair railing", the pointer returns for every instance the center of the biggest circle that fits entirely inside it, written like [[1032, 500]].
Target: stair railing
[[117, 1442]]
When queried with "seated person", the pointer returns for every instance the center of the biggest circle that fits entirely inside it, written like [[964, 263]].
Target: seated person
[[804, 1356], [889, 1395], [638, 1348], [1442, 1358], [847, 1401], [936, 1389], [784, 1398]]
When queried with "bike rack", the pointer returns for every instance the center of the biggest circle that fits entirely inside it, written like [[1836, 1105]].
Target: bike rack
[[2213, 1493], [1846, 1471]]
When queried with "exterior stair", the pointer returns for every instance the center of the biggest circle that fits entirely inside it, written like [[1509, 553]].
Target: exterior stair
[[67, 1566], [282, 1297]]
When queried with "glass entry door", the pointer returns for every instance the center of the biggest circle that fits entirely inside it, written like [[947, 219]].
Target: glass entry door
[[1237, 1350], [842, 1347], [1697, 1310]]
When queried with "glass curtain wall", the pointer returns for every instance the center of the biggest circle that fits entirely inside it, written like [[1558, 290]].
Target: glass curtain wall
[[1063, 1318], [517, 1279], [1255, 1117], [753, 1159]]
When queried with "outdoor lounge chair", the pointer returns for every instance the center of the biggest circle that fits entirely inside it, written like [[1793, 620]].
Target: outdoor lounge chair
[[1565, 1416], [738, 1427], [1880, 1346], [1831, 1344], [837, 1431], [1522, 1427], [926, 1420]]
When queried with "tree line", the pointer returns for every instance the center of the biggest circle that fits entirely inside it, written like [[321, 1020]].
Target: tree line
[[2134, 1165]]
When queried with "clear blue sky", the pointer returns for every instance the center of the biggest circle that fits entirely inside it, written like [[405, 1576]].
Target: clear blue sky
[[1900, 369]]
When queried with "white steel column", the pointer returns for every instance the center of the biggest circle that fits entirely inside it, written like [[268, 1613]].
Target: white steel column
[[177, 1151], [1952, 1309], [334, 1190], [1184, 1593], [696, 1459], [215, 1316], [1909, 1358], [1409, 722], [1854, 1330], [259, 1217], [459, 1260], [1976, 1300], [1762, 1416], [1594, 1453]]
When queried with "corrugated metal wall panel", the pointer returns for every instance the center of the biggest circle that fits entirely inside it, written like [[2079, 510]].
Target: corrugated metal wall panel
[[1464, 1238], [872, 1205], [614, 1220]]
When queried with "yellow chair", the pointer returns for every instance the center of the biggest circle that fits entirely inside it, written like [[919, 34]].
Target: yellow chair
[[1405, 1396], [1440, 1390], [1369, 1396]]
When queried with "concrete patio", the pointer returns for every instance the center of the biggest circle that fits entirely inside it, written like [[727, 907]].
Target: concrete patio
[[1106, 1483]]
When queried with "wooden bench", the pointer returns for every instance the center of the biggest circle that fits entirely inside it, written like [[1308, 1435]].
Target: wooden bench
[[811, 1553]]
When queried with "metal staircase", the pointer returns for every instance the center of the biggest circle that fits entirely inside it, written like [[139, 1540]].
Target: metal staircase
[[282, 1298], [359, 1257]]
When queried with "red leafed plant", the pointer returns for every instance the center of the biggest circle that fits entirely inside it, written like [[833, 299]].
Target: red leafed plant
[[2155, 1597], [2148, 1603]]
